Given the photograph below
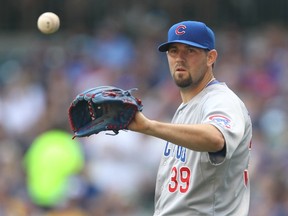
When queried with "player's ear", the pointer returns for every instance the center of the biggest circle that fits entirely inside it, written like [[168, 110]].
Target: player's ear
[[211, 57]]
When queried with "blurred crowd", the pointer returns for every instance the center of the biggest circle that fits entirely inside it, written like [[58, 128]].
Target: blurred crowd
[[41, 74]]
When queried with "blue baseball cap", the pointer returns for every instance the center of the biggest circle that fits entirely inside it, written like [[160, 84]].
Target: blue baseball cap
[[192, 33]]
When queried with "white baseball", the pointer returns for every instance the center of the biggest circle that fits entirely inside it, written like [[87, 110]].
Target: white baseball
[[48, 23]]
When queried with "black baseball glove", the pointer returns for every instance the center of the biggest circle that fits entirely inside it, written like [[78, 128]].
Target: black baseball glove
[[101, 109]]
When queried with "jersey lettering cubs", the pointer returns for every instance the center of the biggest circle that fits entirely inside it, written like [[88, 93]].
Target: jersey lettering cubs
[[203, 183], [178, 151]]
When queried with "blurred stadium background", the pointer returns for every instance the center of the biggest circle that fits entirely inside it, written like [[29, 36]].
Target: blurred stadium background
[[115, 43]]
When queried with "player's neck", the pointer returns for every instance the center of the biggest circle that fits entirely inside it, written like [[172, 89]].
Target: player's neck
[[188, 93]]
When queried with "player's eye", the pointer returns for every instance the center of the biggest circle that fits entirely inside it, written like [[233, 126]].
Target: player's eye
[[191, 50], [172, 51]]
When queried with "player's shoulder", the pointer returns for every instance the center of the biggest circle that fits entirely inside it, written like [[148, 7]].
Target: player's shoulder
[[220, 88], [220, 92]]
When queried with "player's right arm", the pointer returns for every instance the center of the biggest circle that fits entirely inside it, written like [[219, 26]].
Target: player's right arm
[[198, 137]]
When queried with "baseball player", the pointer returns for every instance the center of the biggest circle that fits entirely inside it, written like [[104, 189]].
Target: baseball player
[[204, 166]]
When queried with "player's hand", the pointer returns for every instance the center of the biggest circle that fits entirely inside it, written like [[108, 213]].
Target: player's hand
[[139, 123]]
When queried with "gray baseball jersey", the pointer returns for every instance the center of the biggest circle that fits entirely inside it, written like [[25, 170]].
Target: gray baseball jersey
[[191, 183]]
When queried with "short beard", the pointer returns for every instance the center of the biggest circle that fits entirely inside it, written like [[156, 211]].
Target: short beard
[[183, 83]]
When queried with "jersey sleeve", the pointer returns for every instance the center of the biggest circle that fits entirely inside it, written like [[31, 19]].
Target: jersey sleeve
[[225, 113]]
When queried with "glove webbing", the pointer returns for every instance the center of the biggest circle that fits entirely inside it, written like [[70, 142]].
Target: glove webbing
[[91, 110]]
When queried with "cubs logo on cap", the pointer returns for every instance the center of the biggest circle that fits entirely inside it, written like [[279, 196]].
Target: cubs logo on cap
[[180, 30], [192, 33]]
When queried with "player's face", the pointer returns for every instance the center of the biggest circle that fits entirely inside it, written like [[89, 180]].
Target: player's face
[[188, 65]]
